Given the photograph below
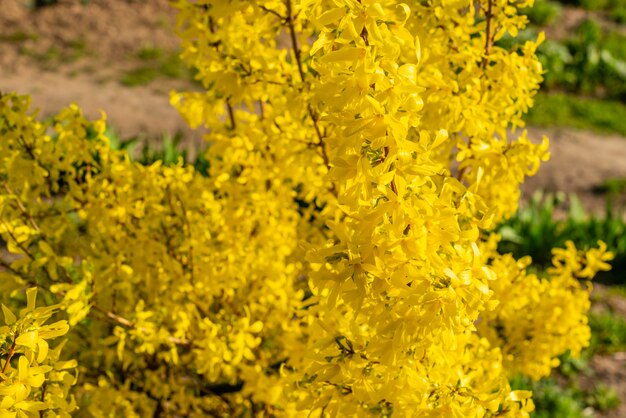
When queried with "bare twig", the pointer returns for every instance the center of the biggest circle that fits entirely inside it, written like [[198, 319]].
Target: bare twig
[[294, 40], [126, 323], [231, 115], [488, 36], [19, 244], [312, 114], [22, 207], [274, 12], [9, 357]]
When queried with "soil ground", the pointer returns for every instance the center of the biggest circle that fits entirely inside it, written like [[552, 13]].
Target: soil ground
[[79, 51]]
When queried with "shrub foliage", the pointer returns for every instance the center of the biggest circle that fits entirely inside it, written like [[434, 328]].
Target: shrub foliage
[[336, 261]]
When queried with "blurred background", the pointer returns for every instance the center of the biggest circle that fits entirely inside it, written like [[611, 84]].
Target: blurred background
[[121, 56]]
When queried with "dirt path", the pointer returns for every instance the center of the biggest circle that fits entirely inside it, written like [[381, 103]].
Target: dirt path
[[580, 163], [79, 52], [137, 111]]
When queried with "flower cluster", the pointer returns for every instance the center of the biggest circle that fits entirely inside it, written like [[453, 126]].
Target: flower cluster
[[336, 261]]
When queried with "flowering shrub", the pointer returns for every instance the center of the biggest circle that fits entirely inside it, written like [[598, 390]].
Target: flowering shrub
[[337, 260]]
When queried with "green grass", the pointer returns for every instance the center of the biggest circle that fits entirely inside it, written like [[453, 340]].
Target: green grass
[[612, 186], [150, 53], [139, 76], [565, 399], [576, 112], [543, 12], [608, 332], [166, 149], [561, 394], [616, 9], [617, 291], [54, 55], [534, 231], [18, 37], [156, 63]]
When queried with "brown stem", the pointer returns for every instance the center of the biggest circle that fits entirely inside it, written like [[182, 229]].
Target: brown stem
[[231, 115], [270, 11], [43, 396], [19, 244], [188, 227], [108, 314], [488, 37], [262, 109], [296, 52], [9, 357], [22, 207], [129, 324], [461, 173], [294, 40], [33, 157]]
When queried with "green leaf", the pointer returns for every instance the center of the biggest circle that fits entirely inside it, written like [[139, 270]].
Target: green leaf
[[9, 317], [31, 297]]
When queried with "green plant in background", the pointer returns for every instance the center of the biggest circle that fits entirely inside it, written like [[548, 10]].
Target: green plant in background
[[589, 62], [612, 186], [603, 398], [608, 332], [584, 79], [139, 76], [607, 116], [156, 63], [533, 229], [18, 37], [543, 12], [117, 143], [562, 396], [552, 400], [615, 9], [618, 15], [167, 150]]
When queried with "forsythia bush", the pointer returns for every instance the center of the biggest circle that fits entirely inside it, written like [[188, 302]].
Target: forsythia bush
[[337, 260]]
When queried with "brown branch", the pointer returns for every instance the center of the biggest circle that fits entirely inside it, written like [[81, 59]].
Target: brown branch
[[461, 173], [9, 357], [274, 12], [31, 154], [168, 246], [394, 188], [113, 317], [262, 109], [488, 36], [314, 117], [6, 265], [126, 323], [231, 115], [188, 226], [43, 396], [19, 244], [22, 207], [294, 40]]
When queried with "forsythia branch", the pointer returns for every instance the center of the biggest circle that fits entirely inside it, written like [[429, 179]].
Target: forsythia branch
[[488, 35]]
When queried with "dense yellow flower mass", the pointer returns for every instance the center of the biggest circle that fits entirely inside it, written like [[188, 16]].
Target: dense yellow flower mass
[[337, 260]]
